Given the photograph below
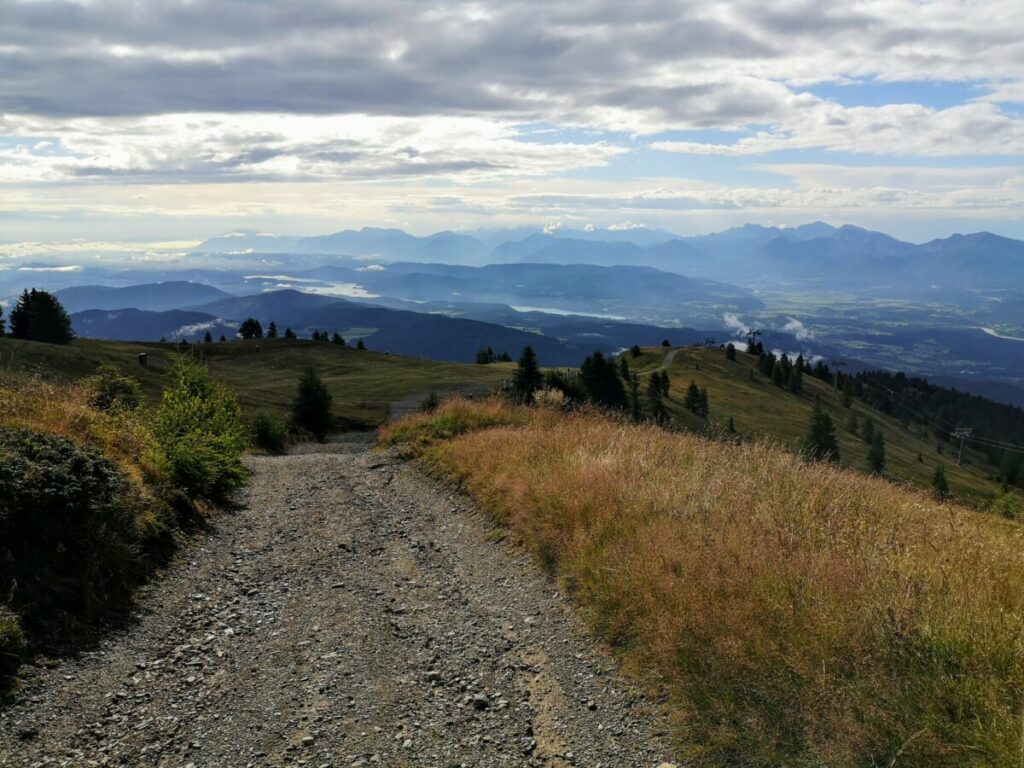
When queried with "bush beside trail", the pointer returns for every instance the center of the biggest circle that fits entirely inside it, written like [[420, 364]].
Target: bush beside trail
[[94, 490]]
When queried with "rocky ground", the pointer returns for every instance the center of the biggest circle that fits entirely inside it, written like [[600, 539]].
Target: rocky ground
[[349, 613]]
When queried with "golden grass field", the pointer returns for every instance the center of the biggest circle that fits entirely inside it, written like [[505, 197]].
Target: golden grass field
[[797, 614]]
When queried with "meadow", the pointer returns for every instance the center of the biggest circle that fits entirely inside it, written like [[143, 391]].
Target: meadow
[[796, 614]]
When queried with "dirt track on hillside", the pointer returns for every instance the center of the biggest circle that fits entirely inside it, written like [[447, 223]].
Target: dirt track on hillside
[[350, 612]]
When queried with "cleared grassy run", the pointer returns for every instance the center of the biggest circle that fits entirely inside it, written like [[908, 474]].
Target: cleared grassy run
[[264, 373], [797, 614], [760, 408]]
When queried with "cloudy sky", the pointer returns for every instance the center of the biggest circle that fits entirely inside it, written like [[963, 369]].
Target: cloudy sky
[[135, 120]]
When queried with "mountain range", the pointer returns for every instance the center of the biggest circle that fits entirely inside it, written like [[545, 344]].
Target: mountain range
[[812, 253]]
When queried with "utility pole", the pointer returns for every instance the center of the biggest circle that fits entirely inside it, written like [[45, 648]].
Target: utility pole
[[963, 434]]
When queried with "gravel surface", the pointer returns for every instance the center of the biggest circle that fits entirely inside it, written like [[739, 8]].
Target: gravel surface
[[349, 613]]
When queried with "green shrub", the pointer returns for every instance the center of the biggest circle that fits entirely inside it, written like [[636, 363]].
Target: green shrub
[[112, 390], [12, 646], [311, 409], [269, 432], [430, 402], [201, 433], [68, 536]]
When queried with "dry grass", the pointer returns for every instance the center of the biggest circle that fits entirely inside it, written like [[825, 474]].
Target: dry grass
[[42, 405], [800, 614]]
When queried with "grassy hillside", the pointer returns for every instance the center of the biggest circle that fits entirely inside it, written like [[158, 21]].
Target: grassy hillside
[[264, 373], [759, 408], [797, 614]]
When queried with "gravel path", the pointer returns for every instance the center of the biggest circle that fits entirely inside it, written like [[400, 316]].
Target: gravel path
[[349, 613]]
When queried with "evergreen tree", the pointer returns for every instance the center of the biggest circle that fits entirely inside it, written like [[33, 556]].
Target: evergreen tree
[[939, 484], [665, 343], [655, 406], [635, 350], [360, 344], [847, 392], [876, 453], [505, 357], [705, 409], [527, 378], [338, 339], [795, 383], [852, 425], [311, 409], [484, 356], [731, 429], [289, 333], [623, 368], [692, 401], [868, 433], [634, 389], [730, 351], [222, 338], [250, 329], [207, 338], [272, 330], [820, 443], [666, 384], [38, 316], [601, 382], [3, 323], [778, 375]]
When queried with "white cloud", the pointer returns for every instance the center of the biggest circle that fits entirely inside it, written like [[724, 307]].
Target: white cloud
[[734, 324], [798, 329]]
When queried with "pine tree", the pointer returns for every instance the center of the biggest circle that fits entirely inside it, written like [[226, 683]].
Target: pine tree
[[666, 384], [600, 380], [655, 406], [3, 323], [360, 344], [939, 484], [847, 392], [527, 378], [665, 343], [623, 368], [692, 402], [730, 351], [208, 338], [338, 339], [272, 330], [820, 443], [250, 329], [505, 357], [635, 350], [868, 433], [222, 338], [876, 453], [289, 333], [731, 429], [311, 409], [39, 316], [704, 407], [852, 425], [795, 382], [778, 375], [634, 389]]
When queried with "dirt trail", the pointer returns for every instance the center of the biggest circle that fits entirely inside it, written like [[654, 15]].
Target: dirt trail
[[349, 613]]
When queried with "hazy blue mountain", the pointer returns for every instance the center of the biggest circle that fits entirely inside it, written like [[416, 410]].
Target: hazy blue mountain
[[438, 337], [142, 325], [152, 296], [243, 240], [448, 247]]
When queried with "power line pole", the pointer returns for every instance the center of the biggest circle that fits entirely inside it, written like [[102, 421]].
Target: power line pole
[[963, 434]]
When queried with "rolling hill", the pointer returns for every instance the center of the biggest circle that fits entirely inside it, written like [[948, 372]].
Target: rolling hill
[[759, 408], [157, 297]]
